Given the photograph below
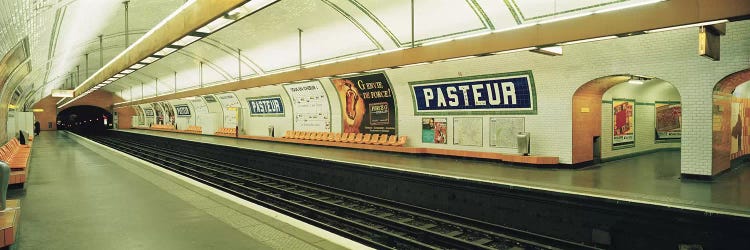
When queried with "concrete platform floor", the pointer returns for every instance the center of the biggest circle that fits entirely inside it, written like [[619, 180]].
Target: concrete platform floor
[[76, 198], [651, 178]]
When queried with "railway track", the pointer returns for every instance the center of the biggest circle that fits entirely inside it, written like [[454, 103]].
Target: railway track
[[375, 222]]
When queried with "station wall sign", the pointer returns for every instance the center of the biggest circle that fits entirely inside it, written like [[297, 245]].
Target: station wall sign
[[182, 110], [266, 105], [148, 112], [504, 93]]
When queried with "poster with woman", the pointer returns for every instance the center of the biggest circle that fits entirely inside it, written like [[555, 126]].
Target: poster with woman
[[623, 122], [367, 104]]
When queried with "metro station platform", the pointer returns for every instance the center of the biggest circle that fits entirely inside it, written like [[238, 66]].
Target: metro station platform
[[83, 196], [651, 179]]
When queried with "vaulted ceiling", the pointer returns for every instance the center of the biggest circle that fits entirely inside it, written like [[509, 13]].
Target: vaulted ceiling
[[62, 37]]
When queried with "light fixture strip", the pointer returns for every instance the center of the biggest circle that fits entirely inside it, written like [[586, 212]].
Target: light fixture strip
[[688, 26], [589, 40]]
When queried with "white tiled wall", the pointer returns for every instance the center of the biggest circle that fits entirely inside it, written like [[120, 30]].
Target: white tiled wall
[[671, 56]]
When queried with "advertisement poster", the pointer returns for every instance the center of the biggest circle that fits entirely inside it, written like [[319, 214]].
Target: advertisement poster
[[310, 106], [231, 105], [503, 131], [159, 113], [467, 131], [169, 116], [435, 130], [668, 120], [505, 93], [367, 104], [623, 121]]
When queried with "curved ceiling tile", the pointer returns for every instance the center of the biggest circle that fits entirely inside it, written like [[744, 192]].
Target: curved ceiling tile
[[368, 25], [249, 67], [500, 13], [433, 19], [217, 56], [540, 10], [271, 38]]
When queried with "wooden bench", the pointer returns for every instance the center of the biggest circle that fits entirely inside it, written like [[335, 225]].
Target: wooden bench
[[193, 130], [17, 157], [9, 222], [230, 132]]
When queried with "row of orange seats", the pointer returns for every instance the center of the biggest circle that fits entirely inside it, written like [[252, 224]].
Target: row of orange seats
[[162, 126], [194, 129], [15, 154], [226, 131], [376, 139]]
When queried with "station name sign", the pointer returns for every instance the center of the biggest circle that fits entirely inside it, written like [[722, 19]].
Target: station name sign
[[182, 110], [509, 93], [266, 106]]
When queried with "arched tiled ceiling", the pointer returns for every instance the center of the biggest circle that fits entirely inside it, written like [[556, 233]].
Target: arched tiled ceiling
[[269, 40], [60, 32], [333, 30]]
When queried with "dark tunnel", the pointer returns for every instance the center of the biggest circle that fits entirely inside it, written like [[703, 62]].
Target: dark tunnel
[[84, 119]]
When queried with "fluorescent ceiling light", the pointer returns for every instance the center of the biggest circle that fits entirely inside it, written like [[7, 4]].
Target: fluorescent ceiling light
[[627, 6], [112, 79], [457, 58], [215, 25], [565, 18], [635, 81], [138, 66], [688, 26], [550, 51], [413, 64], [514, 27], [186, 40], [101, 85], [127, 71], [118, 75], [589, 40], [348, 74], [373, 70], [149, 59], [473, 35], [514, 50], [165, 51], [437, 42]]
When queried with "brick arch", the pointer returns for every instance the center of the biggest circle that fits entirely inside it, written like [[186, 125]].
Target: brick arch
[[587, 114], [587, 125], [722, 116], [101, 99]]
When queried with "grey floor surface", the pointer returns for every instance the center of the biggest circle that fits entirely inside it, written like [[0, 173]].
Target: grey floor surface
[[651, 178], [76, 199]]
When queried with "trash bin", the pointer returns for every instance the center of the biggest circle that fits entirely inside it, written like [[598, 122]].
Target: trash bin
[[524, 144], [4, 178], [270, 131]]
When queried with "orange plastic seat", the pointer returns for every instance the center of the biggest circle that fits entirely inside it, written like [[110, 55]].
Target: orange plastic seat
[[401, 141], [350, 138], [343, 137], [391, 140], [357, 138], [365, 138], [335, 137], [320, 136], [374, 139]]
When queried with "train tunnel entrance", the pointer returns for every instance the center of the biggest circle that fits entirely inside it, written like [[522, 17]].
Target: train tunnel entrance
[[84, 119], [622, 116]]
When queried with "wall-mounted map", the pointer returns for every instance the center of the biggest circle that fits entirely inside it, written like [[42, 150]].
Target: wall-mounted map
[[467, 131], [310, 106], [503, 131]]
